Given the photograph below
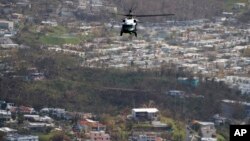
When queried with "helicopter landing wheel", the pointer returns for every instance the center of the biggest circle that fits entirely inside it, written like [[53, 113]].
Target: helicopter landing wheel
[[135, 34]]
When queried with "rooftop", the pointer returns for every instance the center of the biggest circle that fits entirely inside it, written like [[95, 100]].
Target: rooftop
[[149, 110], [7, 129]]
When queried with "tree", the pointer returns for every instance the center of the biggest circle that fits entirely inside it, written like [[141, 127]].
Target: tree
[[20, 118], [57, 137], [2, 134]]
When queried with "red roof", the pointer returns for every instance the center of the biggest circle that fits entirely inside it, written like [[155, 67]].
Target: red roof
[[90, 123], [22, 109]]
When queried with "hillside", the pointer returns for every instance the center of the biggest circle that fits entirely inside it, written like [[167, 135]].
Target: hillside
[[70, 86], [183, 9]]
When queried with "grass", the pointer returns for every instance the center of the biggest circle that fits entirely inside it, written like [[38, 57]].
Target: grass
[[59, 40], [58, 36]]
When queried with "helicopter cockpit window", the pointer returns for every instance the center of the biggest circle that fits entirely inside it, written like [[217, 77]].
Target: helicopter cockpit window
[[127, 26]]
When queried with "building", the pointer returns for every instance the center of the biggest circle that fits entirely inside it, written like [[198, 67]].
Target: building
[[54, 112], [239, 5], [145, 114], [146, 136], [49, 23], [17, 137], [219, 120], [193, 82], [23, 110], [6, 25], [38, 118], [5, 115], [99, 136], [207, 130], [7, 130], [88, 125], [3, 105], [39, 126], [230, 107], [176, 93]]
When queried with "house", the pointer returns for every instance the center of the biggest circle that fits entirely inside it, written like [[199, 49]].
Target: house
[[38, 118], [23, 4], [145, 114], [160, 127], [39, 126], [5, 115], [146, 136], [206, 130], [208, 139], [193, 82], [17, 16], [6, 25], [239, 5], [176, 93], [49, 23], [88, 125], [83, 4], [7, 130], [23, 110], [17, 137], [221, 63], [219, 120], [54, 112], [229, 107], [10, 105], [99, 136], [37, 76], [3, 105]]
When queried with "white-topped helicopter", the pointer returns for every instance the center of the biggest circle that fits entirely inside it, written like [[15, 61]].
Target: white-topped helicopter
[[129, 23]]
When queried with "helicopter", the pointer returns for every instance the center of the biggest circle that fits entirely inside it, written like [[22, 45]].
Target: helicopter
[[129, 24]]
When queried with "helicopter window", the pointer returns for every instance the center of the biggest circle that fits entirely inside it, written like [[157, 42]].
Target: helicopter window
[[127, 26]]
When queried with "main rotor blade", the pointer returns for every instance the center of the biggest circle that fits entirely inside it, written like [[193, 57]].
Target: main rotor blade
[[153, 15]]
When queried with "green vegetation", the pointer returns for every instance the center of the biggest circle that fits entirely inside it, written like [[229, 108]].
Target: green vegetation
[[222, 133], [178, 132], [46, 137], [54, 136], [70, 86], [38, 35], [59, 35], [59, 40], [220, 138], [75, 88]]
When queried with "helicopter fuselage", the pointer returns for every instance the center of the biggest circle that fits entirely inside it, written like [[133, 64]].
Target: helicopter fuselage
[[129, 26]]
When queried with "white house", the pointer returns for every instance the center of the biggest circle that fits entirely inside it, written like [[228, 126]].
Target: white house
[[146, 136], [145, 113], [17, 137], [7, 130], [176, 93]]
